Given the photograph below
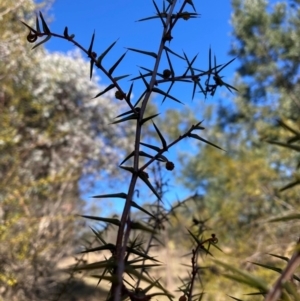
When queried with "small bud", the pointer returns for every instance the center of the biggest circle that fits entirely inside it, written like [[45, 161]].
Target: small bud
[[120, 95], [94, 54], [167, 73], [170, 165]]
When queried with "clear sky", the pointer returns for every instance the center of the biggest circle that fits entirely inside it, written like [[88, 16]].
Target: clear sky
[[116, 19]]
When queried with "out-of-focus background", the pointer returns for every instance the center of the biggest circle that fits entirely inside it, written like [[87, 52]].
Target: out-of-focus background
[[58, 147]]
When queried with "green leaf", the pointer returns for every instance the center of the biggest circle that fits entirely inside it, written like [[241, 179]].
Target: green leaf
[[42, 42], [45, 26], [113, 221], [111, 86], [195, 136], [162, 139], [101, 56], [121, 195], [153, 54], [115, 65]]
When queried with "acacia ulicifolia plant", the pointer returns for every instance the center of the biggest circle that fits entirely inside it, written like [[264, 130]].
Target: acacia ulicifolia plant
[[207, 82]]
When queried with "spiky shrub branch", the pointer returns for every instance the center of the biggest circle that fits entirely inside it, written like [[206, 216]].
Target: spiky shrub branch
[[118, 264]]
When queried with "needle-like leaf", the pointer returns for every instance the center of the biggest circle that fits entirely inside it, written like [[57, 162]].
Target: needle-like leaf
[[162, 139], [153, 54], [101, 56], [148, 118], [165, 94], [144, 178], [37, 25], [159, 14], [111, 86], [42, 42], [130, 117], [195, 136], [156, 148], [44, 24], [113, 221], [90, 50], [121, 195], [115, 65]]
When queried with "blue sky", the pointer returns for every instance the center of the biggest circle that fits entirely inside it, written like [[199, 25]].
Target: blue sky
[[116, 19]]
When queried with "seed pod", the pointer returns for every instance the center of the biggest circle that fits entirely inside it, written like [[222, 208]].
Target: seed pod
[[120, 95], [170, 165], [185, 16], [167, 73]]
